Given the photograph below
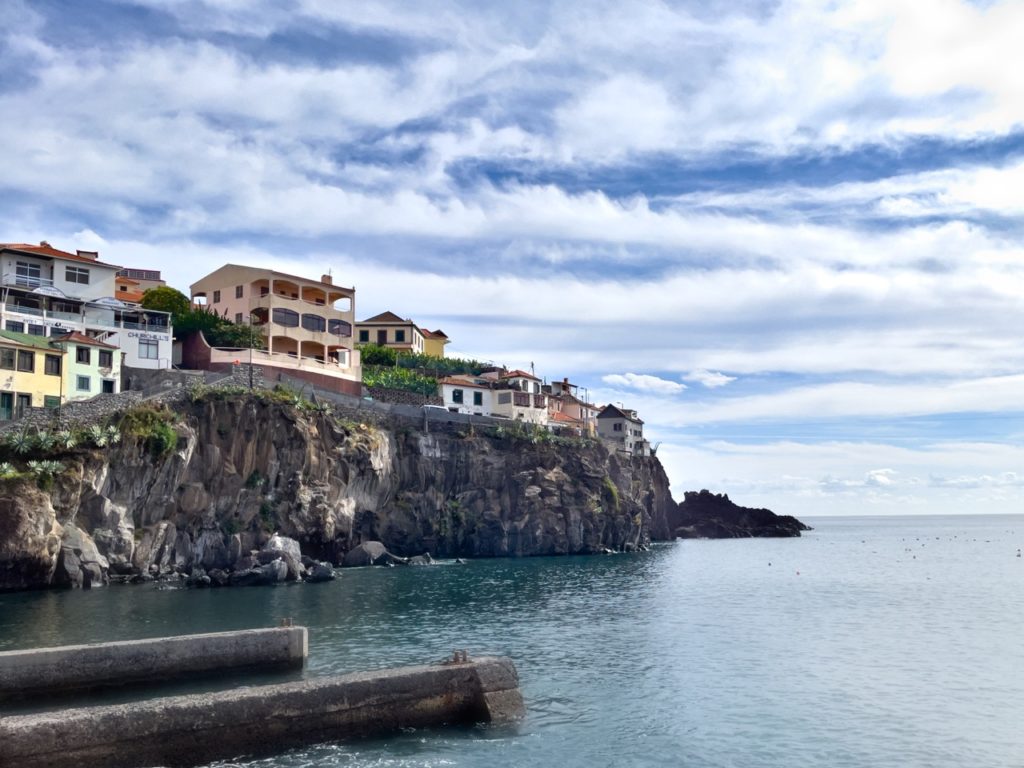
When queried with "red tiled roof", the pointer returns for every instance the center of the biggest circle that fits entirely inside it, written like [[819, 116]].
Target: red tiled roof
[[517, 374], [81, 338], [462, 381], [45, 249], [564, 417], [384, 317]]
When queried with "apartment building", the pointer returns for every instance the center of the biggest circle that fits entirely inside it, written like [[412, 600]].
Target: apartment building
[[50, 292], [306, 324], [623, 429]]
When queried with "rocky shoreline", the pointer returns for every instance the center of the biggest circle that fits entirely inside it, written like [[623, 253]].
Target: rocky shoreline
[[252, 489]]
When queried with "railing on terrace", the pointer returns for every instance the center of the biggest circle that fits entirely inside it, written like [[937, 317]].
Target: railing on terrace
[[11, 306], [283, 359], [521, 399], [26, 281], [539, 402]]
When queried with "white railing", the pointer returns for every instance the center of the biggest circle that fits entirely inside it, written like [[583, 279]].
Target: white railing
[[26, 281], [278, 359]]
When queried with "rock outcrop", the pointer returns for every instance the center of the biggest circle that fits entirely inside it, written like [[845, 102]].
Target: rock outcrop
[[707, 515], [254, 487]]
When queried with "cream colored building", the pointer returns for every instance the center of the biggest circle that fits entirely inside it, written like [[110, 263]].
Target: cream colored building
[[306, 324], [389, 330]]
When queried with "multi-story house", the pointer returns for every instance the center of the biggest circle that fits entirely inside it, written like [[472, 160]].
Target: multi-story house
[[389, 330], [567, 410], [434, 342], [505, 394], [131, 283], [306, 324], [49, 292], [623, 429], [91, 367], [30, 373]]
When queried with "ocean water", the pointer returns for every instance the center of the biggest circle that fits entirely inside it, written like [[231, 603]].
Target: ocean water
[[868, 642]]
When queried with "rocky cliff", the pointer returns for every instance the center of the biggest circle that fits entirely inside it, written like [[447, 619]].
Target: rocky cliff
[[235, 470], [707, 515]]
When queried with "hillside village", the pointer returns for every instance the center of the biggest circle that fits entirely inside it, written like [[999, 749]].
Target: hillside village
[[74, 327]]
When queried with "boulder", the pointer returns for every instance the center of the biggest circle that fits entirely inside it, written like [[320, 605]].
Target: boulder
[[424, 559], [273, 572], [198, 578], [278, 543], [218, 578], [370, 553], [320, 572], [295, 568], [79, 563]]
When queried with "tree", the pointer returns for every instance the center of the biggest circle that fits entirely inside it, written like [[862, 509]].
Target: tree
[[163, 298]]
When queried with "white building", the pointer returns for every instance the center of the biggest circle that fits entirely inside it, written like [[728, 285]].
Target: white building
[[49, 292], [510, 395]]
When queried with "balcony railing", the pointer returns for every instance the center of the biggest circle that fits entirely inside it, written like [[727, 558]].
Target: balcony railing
[[26, 281]]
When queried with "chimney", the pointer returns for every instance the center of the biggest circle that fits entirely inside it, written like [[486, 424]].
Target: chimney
[[94, 255], [326, 280], [44, 244]]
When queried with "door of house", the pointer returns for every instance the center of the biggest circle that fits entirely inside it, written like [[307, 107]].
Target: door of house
[[24, 404], [382, 337], [6, 406]]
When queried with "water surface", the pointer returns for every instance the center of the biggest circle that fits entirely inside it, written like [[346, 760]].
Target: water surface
[[869, 641]]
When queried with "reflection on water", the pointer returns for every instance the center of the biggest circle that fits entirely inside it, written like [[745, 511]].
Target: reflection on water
[[867, 642]]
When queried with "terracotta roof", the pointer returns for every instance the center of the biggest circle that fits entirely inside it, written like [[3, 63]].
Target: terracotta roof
[[81, 338], [384, 317], [563, 417], [45, 249], [517, 374], [438, 334], [128, 280], [463, 381]]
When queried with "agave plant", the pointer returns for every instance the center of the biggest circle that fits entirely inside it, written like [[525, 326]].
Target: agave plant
[[113, 435], [45, 468], [44, 441], [66, 439], [97, 436], [20, 442], [7, 469]]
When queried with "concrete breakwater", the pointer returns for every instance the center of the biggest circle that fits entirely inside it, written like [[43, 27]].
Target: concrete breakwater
[[192, 730], [49, 671]]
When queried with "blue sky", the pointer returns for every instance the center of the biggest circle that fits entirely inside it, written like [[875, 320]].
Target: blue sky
[[789, 233]]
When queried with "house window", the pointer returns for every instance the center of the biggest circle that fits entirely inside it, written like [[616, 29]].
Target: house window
[[382, 337], [36, 330], [342, 328], [478, 398], [286, 317], [314, 323], [238, 318], [15, 325], [76, 275], [7, 357], [216, 297], [82, 384], [108, 386], [457, 396], [83, 355], [399, 336], [28, 274], [149, 349], [51, 403], [239, 291], [53, 365], [106, 358], [616, 427], [364, 337], [26, 361], [504, 398]]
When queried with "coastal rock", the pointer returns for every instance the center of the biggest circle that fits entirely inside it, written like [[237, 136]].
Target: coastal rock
[[320, 572], [80, 563], [30, 537], [370, 553], [706, 515], [424, 559]]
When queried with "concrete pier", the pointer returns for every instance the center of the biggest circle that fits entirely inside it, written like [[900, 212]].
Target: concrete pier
[[184, 731], [50, 671]]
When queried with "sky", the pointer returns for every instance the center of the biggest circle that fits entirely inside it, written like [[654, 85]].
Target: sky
[[787, 233]]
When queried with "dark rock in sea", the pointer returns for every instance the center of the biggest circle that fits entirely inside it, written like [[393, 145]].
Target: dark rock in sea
[[319, 572], [424, 559], [370, 553], [707, 515]]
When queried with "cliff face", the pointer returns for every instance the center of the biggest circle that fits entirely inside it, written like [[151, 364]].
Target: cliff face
[[244, 468], [707, 515]]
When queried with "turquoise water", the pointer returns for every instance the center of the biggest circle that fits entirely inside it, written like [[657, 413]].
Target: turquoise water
[[868, 642]]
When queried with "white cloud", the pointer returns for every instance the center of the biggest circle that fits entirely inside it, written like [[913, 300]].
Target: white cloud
[[643, 383], [708, 379]]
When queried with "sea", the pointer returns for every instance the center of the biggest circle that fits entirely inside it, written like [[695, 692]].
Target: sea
[[871, 641]]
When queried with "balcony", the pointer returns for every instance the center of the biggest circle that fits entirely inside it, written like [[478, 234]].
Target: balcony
[[26, 281]]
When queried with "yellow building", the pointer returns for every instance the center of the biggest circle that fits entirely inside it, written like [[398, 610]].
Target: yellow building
[[30, 373], [434, 342]]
